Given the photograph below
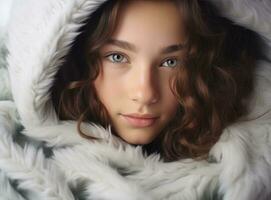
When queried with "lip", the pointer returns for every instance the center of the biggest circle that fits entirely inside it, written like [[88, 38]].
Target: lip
[[139, 120]]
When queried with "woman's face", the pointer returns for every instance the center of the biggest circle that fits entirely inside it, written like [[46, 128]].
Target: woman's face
[[137, 65]]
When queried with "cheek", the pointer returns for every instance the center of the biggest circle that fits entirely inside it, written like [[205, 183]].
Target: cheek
[[108, 89], [170, 101]]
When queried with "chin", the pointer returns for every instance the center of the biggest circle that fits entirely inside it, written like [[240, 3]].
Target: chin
[[138, 141], [136, 136]]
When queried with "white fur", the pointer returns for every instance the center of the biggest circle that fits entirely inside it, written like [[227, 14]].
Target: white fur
[[27, 164], [255, 15], [5, 93], [40, 34]]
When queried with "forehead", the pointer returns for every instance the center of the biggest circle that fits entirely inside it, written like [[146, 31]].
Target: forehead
[[158, 22]]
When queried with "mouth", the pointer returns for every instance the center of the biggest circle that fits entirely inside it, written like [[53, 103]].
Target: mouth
[[140, 121]]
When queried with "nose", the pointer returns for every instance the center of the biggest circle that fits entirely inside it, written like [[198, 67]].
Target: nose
[[145, 90]]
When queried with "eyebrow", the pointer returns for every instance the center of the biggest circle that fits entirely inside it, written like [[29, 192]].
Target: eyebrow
[[132, 47]]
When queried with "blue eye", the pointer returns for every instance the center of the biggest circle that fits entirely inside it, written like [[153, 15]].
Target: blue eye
[[117, 58], [170, 63]]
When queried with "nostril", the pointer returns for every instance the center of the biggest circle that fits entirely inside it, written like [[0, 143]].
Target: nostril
[[145, 97]]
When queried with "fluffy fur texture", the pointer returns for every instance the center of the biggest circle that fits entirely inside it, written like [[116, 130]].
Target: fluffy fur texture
[[4, 80], [47, 159]]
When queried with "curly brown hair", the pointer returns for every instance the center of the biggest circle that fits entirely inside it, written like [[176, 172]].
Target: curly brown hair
[[212, 85]]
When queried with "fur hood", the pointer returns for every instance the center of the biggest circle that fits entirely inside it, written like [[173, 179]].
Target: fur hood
[[44, 158]]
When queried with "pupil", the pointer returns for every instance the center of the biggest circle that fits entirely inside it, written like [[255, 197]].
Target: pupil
[[117, 57], [171, 62]]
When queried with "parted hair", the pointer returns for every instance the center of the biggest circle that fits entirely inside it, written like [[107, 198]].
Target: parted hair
[[212, 84]]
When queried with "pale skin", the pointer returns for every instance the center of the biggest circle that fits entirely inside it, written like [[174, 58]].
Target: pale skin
[[137, 67]]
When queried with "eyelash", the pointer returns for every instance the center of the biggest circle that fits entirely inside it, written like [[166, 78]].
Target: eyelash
[[116, 53]]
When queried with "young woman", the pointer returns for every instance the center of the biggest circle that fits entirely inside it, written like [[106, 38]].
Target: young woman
[[159, 72], [137, 100]]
